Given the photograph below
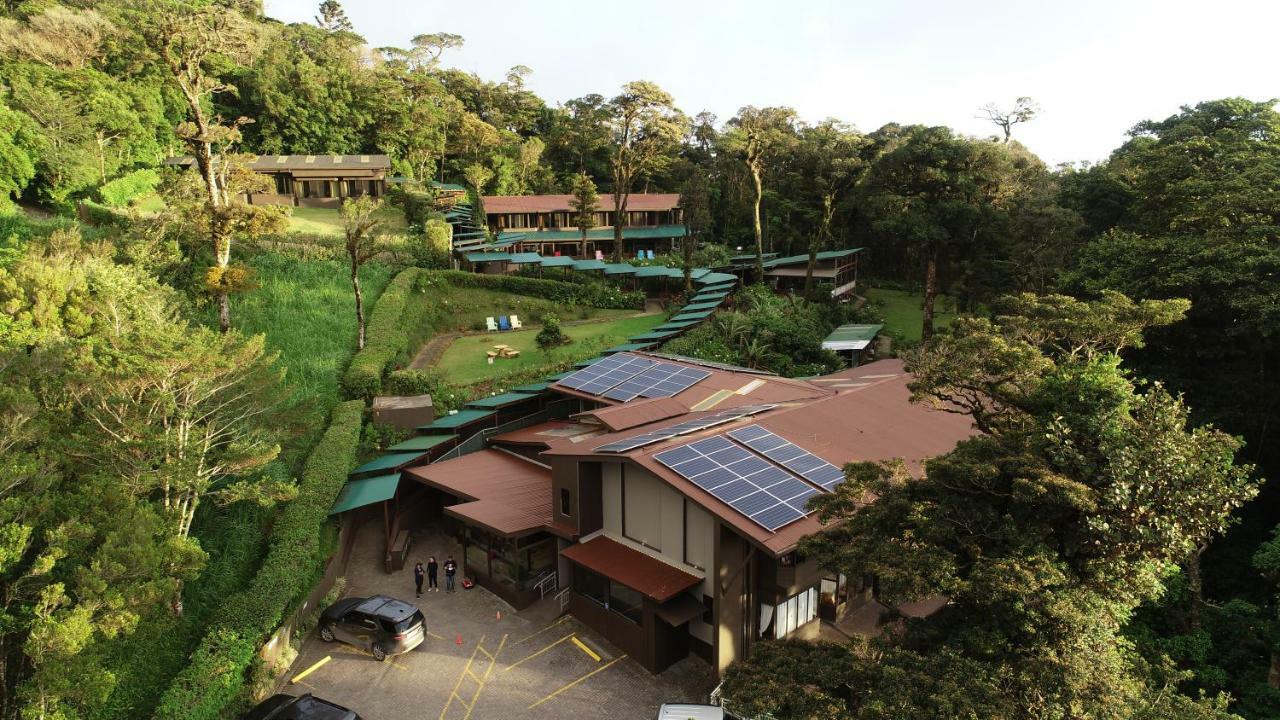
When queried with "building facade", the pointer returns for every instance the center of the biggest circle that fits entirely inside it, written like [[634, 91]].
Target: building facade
[[549, 227], [322, 181]]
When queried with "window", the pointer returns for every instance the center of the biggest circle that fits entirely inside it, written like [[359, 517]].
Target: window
[[566, 502], [795, 612], [626, 602], [591, 585]]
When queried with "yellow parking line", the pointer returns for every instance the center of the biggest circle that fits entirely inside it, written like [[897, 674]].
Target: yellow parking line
[[304, 684], [485, 680], [454, 693], [438, 637], [539, 632], [602, 668], [313, 668], [536, 654], [582, 646]]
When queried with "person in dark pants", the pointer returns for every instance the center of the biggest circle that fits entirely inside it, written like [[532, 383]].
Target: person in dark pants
[[450, 567], [417, 577], [433, 569]]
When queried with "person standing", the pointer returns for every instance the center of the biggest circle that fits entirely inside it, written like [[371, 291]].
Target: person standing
[[450, 568], [417, 577], [433, 569]]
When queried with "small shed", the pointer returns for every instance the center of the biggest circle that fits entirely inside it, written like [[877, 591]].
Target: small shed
[[852, 340], [403, 411]]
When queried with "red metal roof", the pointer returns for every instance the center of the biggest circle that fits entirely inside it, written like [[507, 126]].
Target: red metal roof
[[508, 494], [638, 202], [636, 412], [647, 575]]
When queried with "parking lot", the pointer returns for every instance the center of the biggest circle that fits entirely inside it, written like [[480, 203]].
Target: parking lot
[[482, 660]]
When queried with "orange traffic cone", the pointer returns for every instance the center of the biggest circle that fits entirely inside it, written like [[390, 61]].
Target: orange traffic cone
[[459, 640]]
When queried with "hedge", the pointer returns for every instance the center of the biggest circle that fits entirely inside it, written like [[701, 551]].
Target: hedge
[[597, 294], [386, 337], [215, 677], [120, 192]]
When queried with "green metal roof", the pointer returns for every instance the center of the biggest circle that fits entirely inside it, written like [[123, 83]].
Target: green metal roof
[[659, 271], [851, 337], [487, 257], [588, 265], [715, 278], [716, 297], [698, 272], [708, 305], [448, 186], [532, 387], [630, 347], [421, 442], [559, 376], [620, 269], [591, 361], [502, 400], [653, 232], [693, 315], [797, 259], [525, 257], [676, 324], [557, 261], [389, 461], [751, 257], [654, 335], [458, 419], [367, 491]]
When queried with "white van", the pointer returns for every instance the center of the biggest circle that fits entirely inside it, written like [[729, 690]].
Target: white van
[[690, 712]]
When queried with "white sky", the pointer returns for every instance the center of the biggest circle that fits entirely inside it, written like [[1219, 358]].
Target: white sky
[[1096, 67]]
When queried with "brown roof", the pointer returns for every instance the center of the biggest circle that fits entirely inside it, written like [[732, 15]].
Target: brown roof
[[500, 204], [545, 434], [508, 494], [863, 414], [643, 573], [636, 412], [268, 163]]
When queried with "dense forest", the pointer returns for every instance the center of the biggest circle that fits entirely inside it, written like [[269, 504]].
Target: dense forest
[[1114, 313]]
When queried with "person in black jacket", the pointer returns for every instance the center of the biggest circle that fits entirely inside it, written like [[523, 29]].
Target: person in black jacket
[[433, 569], [450, 568], [417, 577]]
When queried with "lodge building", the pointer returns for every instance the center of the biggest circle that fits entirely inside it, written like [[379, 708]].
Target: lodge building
[[664, 497], [547, 223], [317, 181]]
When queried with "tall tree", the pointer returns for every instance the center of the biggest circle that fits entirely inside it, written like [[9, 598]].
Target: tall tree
[[333, 18], [695, 204], [585, 202], [193, 43], [358, 224], [1024, 110], [759, 136], [646, 129], [831, 161]]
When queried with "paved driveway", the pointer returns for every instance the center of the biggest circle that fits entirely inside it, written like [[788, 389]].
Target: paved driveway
[[484, 661]]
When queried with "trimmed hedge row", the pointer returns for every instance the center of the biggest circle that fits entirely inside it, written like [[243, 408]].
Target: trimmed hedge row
[[386, 337], [120, 192], [215, 677], [594, 294]]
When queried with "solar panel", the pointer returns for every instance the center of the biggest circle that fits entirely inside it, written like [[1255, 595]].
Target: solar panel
[[658, 380], [770, 496], [790, 456], [684, 428], [600, 376]]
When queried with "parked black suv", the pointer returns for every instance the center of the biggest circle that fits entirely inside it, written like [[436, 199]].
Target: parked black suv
[[303, 707], [380, 624]]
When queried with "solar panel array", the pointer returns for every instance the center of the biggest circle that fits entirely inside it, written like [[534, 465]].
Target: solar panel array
[[684, 428], [770, 496], [625, 377], [790, 456]]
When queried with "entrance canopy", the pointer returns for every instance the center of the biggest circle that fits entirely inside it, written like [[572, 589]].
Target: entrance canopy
[[643, 573], [367, 491]]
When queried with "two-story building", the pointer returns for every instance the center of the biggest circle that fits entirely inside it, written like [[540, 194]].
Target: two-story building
[[549, 225], [313, 180], [672, 503]]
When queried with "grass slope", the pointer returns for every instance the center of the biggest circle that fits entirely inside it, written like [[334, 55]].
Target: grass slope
[[464, 361], [324, 221], [903, 311]]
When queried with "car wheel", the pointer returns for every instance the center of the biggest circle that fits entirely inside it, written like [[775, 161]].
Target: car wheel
[[378, 653], [326, 633]]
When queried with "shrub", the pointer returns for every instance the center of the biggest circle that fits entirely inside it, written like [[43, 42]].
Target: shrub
[[551, 336], [125, 189], [597, 293], [418, 202], [216, 676], [431, 248], [445, 396], [97, 215], [386, 337]]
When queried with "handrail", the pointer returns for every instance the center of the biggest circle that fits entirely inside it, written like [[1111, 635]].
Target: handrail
[[553, 410]]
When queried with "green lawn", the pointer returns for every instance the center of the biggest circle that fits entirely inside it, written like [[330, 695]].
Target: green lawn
[[464, 361], [324, 221], [903, 311]]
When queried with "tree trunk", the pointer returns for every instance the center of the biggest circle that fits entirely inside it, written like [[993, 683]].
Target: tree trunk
[[930, 293], [686, 251], [755, 224], [1195, 588], [619, 212], [1273, 673], [582, 251], [224, 312], [355, 285]]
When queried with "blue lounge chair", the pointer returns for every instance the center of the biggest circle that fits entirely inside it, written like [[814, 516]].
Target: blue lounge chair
[[503, 323]]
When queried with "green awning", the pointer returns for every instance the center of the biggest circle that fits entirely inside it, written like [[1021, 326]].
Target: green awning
[[557, 261], [421, 442], [525, 257], [851, 337], [629, 347], [698, 272], [620, 269], [676, 325], [707, 305], [532, 387], [718, 287], [590, 361], [581, 265], [692, 315], [654, 336], [366, 491], [716, 278], [704, 297], [798, 259], [390, 461], [560, 376], [750, 258], [476, 258], [658, 271], [502, 400], [458, 419]]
